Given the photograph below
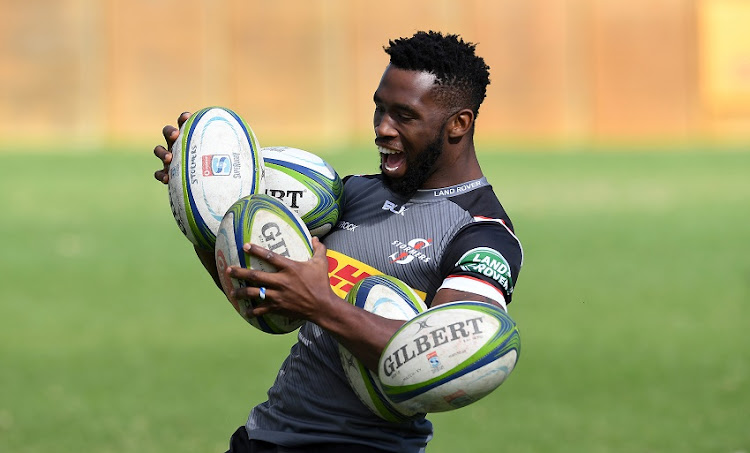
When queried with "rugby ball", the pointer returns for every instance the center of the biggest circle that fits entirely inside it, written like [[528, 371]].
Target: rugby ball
[[449, 356], [390, 298], [216, 161], [265, 221], [305, 183]]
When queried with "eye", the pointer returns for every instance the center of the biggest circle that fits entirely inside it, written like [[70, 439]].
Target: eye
[[400, 114]]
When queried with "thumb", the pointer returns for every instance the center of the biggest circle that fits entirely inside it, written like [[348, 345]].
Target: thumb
[[319, 249]]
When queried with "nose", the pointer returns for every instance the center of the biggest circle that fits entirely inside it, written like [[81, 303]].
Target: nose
[[383, 125]]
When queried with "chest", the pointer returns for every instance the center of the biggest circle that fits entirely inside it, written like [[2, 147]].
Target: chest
[[406, 241]]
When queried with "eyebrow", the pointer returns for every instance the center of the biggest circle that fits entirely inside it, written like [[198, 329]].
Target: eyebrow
[[398, 106]]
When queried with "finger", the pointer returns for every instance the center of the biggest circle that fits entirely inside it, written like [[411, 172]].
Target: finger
[[252, 277], [241, 273], [319, 249], [270, 257], [253, 293], [161, 176], [182, 118], [164, 154], [257, 310], [166, 158], [170, 134]]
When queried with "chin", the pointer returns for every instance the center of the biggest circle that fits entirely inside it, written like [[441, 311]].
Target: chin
[[405, 187]]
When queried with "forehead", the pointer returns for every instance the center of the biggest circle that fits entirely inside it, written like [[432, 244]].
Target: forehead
[[401, 86]]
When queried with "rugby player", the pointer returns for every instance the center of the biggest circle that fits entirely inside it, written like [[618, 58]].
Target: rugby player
[[425, 218]]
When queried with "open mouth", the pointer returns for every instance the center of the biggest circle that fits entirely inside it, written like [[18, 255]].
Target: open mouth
[[391, 160]]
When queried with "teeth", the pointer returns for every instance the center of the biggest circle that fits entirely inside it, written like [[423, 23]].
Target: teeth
[[387, 150]]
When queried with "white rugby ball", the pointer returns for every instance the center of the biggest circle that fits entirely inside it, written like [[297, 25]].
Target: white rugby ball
[[216, 161], [449, 356], [390, 298], [307, 184], [265, 221]]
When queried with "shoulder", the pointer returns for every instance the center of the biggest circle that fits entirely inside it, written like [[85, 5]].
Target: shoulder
[[362, 179], [358, 185], [486, 249], [483, 204]]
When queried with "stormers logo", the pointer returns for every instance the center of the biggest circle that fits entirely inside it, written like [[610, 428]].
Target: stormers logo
[[407, 252], [490, 263]]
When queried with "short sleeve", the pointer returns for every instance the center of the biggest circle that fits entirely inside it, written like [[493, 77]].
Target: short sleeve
[[485, 258]]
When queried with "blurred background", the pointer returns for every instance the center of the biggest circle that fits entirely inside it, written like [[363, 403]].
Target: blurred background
[[564, 72], [615, 132]]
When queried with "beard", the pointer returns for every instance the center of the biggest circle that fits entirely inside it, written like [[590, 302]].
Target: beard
[[419, 167]]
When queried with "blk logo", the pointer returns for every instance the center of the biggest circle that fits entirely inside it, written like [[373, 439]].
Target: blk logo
[[393, 207]]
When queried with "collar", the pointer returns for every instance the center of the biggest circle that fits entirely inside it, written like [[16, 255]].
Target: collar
[[450, 191]]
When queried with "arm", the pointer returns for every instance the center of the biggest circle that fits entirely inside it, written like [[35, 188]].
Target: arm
[[208, 260], [164, 154], [301, 290]]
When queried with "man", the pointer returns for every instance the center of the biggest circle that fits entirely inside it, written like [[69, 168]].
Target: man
[[422, 219]]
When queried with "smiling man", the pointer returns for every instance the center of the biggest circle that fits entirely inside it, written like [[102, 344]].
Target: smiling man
[[430, 218]]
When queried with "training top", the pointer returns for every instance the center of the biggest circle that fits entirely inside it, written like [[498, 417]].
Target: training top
[[457, 237]]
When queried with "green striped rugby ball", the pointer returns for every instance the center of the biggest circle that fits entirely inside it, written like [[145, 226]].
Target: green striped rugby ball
[[449, 356], [216, 160], [307, 184], [265, 221], [391, 298]]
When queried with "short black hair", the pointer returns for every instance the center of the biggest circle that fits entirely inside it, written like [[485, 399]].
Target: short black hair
[[462, 75]]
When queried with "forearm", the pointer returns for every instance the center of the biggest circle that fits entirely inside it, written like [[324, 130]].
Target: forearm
[[209, 262], [364, 334]]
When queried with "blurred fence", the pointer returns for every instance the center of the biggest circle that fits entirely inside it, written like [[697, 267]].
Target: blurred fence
[[94, 71]]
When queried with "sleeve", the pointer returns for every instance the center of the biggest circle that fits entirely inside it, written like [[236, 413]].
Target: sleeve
[[485, 258]]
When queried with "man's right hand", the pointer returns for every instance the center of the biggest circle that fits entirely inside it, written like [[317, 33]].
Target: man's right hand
[[164, 154]]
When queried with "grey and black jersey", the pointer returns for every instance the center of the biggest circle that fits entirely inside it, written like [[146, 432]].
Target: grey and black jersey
[[457, 237]]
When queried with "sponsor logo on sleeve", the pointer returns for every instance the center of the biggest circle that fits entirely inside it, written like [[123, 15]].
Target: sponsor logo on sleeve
[[490, 263]]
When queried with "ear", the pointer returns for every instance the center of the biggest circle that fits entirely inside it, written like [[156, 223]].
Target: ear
[[461, 123]]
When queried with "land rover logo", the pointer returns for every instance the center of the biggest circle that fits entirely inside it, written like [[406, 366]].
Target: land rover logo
[[488, 262]]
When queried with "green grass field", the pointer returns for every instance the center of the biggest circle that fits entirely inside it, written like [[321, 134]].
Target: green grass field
[[632, 305]]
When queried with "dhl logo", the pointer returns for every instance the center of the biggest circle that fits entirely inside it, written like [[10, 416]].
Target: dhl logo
[[344, 272]]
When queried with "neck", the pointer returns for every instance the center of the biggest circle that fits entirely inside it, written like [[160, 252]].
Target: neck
[[455, 166]]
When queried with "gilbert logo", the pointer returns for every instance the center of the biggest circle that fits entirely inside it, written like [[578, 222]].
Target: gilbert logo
[[425, 343], [393, 207], [270, 239], [289, 197], [407, 252]]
